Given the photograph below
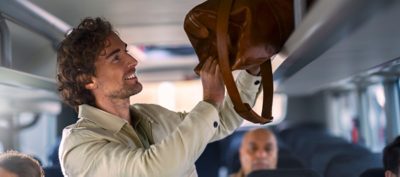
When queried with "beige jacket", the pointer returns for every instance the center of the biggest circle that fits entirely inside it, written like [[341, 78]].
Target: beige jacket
[[161, 143]]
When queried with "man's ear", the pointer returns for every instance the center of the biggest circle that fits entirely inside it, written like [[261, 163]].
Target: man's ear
[[92, 85], [388, 173]]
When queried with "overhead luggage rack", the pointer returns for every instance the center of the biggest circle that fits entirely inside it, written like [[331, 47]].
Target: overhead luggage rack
[[336, 40], [33, 18], [15, 78]]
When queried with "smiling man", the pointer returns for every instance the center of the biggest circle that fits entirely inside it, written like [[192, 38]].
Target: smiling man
[[96, 76]]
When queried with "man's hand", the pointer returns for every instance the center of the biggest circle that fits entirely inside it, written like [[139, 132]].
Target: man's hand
[[213, 84], [255, 70]]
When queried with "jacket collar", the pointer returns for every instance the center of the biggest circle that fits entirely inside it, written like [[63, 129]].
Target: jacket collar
[[101, 118], [109, 121]]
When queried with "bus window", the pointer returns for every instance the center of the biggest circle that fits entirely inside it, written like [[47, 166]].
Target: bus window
[[344, 119], [176, 99], [278, 109], [38, 139], [392, 105], [376, 117]]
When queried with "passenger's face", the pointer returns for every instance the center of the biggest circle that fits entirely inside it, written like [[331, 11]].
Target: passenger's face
[[5, 173], [115, 71], [258, 151], [388, 173]]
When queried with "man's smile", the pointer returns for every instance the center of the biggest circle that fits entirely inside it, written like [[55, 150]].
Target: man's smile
[[131, 76]]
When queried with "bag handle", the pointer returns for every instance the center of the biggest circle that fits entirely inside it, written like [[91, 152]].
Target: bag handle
[[243, 109]]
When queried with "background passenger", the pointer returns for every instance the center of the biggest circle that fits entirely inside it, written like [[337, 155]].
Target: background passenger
[[15, 164], [258, 151], [391, 158]]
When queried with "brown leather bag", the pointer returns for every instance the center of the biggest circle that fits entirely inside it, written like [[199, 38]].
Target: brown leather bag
[[241, 34]]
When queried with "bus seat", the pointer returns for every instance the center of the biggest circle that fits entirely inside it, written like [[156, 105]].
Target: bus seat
[[352, 165], [285, 173], [325, 152], [289, 161], [230, 148], [209, 161], [293, 134], [53, 171], [373, 172], [308, 146]]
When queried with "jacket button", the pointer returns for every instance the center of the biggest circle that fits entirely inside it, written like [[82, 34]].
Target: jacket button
[[215, 124], [257, 82]]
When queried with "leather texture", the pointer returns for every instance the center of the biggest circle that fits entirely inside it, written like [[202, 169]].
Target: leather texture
[[241, 34]]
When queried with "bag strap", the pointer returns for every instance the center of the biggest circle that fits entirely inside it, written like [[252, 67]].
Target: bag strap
[[243, 109]]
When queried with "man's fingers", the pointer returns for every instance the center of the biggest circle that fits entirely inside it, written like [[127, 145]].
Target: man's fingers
[[217, 70], [207, 64], [213, 67], [218, 73]]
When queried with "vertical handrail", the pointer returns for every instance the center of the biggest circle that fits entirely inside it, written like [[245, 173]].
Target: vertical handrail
[[5, 44], [392, 105], [365, 127]]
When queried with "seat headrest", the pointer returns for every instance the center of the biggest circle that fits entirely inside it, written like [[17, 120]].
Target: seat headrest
[[373, 172], [285, 173]]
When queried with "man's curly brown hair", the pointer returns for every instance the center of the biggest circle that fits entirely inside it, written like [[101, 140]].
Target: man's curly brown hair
[[76, 56]]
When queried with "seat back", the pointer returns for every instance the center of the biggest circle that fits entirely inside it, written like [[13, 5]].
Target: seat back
[[230, 148], [285, 173], [352, 165], [324, 153], [288, 161], [373, 172], [53, 171], [209, 162]]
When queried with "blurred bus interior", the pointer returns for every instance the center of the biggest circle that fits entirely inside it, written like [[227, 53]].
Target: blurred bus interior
[[336, 79]]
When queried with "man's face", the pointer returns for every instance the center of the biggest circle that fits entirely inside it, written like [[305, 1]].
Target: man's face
[[258, 151], [388, 173], [5, 173], [115, 71]]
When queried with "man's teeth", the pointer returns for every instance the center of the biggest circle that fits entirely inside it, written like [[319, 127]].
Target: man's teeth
[[131, 76]]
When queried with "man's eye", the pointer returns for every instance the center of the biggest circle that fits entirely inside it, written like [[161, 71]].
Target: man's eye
[[268, 148], [116, 58]]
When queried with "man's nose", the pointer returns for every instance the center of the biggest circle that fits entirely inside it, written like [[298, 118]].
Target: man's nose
[[132, 62], [261, 153]]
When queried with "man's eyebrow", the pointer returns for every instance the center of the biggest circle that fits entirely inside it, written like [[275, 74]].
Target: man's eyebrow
[[113, 52], [252, 143], [116, 51]]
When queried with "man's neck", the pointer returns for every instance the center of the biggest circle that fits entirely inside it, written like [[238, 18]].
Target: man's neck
[[117, 107]]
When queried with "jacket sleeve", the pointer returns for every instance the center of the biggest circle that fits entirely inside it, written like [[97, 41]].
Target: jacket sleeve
[[82, 154], [249, 87]]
